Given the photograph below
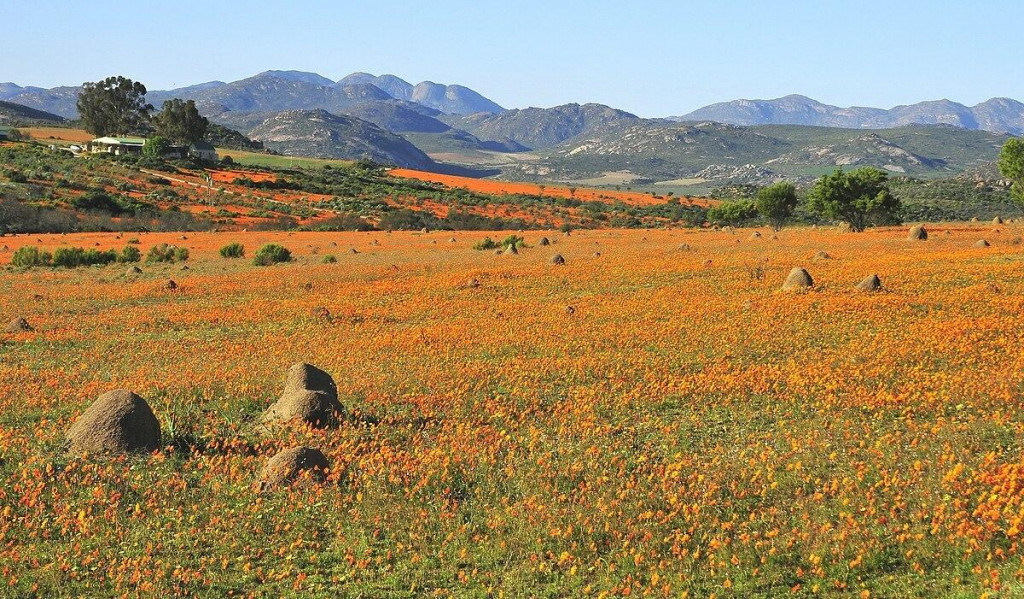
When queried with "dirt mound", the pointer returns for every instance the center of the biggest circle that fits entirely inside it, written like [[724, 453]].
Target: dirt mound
[[557, 259], [997, 220], [544, 241], [918, 233], [18, 325], [821, 255], [755, 235], [117, 422], [798, 279], [135, 270], [871, 283], [310, 395], [290, 464], [981, 243]]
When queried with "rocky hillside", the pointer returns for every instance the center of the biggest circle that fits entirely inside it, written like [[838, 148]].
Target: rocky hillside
[[999, 115], [660, 151], [537, 128], [320, 134]]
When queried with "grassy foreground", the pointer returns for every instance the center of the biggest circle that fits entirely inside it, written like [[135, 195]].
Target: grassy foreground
[[687, 430]]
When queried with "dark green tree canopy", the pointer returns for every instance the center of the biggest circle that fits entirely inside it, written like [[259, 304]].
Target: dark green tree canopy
[[156, 146], [1011, 165], [114, 106], [860, 197], [775, 203], [180, 122], [732, 213]]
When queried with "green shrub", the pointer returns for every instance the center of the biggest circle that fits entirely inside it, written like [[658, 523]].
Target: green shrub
[[133, 241], [489, 244], [30, 256], [129, 253], [75, 257], [97, 200], [271, 253], [485, 244], [329, 259], [233, 250], [167, 253]]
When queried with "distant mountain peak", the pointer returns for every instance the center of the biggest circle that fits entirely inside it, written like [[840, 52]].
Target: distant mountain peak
[[998, 115]]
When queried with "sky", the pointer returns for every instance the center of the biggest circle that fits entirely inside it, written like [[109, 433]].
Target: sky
[[652, 58]]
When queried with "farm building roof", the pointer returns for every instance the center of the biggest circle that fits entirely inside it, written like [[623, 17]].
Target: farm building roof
[[120, 141]]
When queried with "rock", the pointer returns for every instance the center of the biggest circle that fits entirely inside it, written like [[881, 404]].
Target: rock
[[557, 259], [309, 395], [871, 283], [289, 465], [18, 325], [981, 243], [918, 233], [821, 255], [118, 422], [798, 280], [544, 241], [511, 250]]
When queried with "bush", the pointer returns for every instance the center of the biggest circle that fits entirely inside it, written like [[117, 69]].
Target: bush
[[732, 213], [271, 253], [75, 257], [130, 253], [97, 200], [30, 256], [233, 250], [329, 259], [485, 244], [167, 253], [227, 160]]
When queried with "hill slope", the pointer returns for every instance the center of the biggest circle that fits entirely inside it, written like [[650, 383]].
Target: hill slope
[[659, 151], [536, 128], [320, 134], [13, 114]]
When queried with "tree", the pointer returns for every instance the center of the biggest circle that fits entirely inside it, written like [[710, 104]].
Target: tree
[[114, 106], [775, 203], [156, 146], [1011, 165], [732, 213], [860, 197], [181, 122]]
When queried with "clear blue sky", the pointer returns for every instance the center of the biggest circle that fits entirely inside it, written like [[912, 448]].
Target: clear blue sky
[[654, 58]]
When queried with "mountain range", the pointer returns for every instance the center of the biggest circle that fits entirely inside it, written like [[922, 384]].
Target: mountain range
[[999, 115], [277, 91], [389, 120]]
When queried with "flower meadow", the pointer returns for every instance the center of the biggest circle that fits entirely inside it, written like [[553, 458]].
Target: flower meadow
[[653, 418]]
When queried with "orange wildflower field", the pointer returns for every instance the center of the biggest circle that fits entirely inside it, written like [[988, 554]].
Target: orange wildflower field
[[494, 187], [652, 418]]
